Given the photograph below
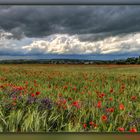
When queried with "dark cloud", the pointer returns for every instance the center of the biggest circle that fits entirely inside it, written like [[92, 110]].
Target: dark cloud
[[89, 22], [69, 1]]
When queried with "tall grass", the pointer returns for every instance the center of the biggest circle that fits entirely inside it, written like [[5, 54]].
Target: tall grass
[[65, 98]]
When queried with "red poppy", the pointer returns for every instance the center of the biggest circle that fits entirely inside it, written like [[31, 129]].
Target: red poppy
[[84, 126], [14, 98], [37, 93], [32, 94], [49, 86], [35, 85], [64, 107], [69, 99], [95, 125], [97, 92], [85, 87], [20, 88], [31, 89], [2, 86], [76, 104], [121, 129], [64, 101], [101, 95], [60, 94], [110, 109], [122, 86], [74, 88], [89, 93], [133, 98], [111, 90], [26, 82], [91, 123], [65, 87], [99, 104], [82, 92], [133, 130], [104, 118], [111, 99], [121, 107], [14, 103]]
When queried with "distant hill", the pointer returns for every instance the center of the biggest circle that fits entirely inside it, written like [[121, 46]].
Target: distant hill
[[131, 60]]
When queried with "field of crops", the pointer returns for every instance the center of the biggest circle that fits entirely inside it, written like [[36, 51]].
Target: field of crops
[[69, 98]]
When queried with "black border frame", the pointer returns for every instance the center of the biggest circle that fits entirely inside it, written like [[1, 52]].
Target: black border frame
[[67, 3]]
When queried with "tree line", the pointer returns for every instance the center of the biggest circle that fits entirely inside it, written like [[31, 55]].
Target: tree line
[[130, 60]]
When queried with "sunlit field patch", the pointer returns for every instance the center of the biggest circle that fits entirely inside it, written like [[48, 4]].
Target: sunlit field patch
[[69, 98]]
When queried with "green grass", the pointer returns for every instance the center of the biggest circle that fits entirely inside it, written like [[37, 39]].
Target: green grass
[[68, 98]]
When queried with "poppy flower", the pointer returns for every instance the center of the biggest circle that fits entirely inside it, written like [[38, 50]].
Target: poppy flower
[[104, 118], [121, 107], [2, 86], [133, 130], [37, 93], [101, 95], [63, 101], [85, 87], [110, 99], [35, 85], [91, 123], [74, 88], [69, 99], [99, 104], [123, 86], [14, 103], [97, 92], [82, 92], [95, 125], [84, 125], [76, 104], [110, 109], [111, 90], [64, 107], [20, 88], [49, 86], [31, 89], [65, 87], [32, 94], [60, 94], [121, 129], [26, 82], [89, 93], [133, 98], [14, 98]]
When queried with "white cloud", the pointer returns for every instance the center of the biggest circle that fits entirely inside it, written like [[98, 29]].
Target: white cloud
[[9, 45], [66, 44]]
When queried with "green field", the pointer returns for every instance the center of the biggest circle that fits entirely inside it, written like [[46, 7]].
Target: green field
[[69, 98]]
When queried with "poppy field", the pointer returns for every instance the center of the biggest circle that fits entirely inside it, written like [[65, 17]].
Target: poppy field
[[69, 98]]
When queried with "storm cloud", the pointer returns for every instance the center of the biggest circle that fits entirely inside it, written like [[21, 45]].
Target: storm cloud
[[69, 44], [92, 22], [36, 30]]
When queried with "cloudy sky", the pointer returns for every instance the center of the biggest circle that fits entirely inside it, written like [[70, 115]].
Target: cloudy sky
[[84, 32]]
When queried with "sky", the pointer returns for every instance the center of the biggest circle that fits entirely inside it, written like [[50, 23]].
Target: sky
[[80, 32], [70, 1]]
